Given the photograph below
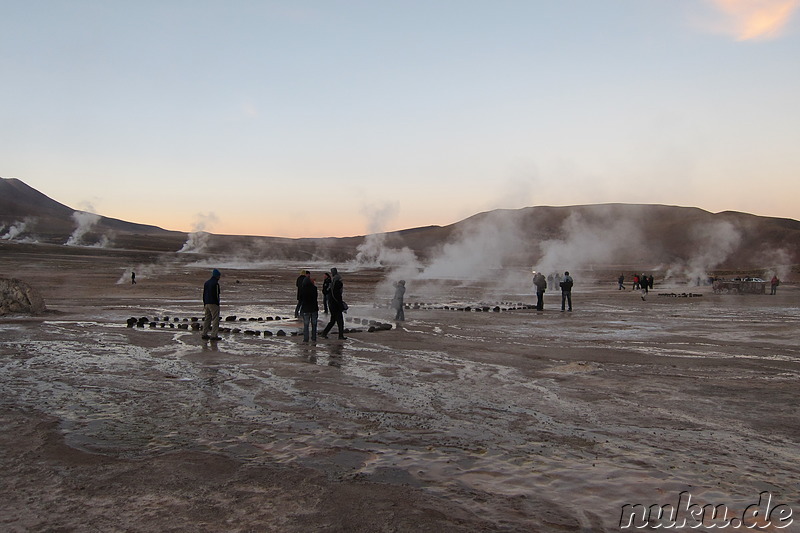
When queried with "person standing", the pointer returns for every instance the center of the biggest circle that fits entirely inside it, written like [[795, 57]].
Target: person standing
[[773, 284], [133, 278], [397, 301], [211, 293], [326, 290], [309, 307], [540, 282], [621, 281], [336, 305], [566, 291], [299, 282]]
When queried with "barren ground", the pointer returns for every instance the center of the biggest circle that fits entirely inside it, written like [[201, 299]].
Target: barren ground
[[452, 421]]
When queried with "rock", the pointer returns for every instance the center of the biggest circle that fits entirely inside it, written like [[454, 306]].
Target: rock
[[16, 296], [281, 333], [230, 318]]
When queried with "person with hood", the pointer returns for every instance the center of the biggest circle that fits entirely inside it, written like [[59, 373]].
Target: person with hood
[[397, 301], [326, 290], [540, 282], [566, 291], [309, 307], [211, 293], [336, 305]]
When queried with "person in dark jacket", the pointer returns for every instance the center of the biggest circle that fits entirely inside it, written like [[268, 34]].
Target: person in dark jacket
[[540, 282], [326, 289], [566, 291], [336, 305], [397, 301], [299, 283], [309, 307], [211, 293]]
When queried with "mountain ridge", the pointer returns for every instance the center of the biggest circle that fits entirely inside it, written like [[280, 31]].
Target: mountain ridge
[[610, 233]]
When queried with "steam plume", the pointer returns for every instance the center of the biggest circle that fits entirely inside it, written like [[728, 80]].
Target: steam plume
[[16, 230], [85, 221], [197, 241]]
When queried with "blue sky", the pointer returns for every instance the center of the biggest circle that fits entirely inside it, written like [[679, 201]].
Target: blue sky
[[333, 118]]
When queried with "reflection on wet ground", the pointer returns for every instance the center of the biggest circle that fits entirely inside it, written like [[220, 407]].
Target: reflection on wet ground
[[621, 399]]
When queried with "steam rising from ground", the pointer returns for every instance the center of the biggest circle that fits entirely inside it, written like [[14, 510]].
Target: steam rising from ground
[[86, 222], [714, 244], [197, 241], [480, 250], [600, 240], [777, 263], [373, 252], [16, 231]]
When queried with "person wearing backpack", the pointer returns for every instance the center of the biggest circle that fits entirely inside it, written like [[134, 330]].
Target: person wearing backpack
[[566, 291]]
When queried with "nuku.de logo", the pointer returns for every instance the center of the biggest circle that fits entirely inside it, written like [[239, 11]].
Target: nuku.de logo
[[761, 515]]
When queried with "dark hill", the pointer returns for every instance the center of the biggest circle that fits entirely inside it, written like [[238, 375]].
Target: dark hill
[[587, 236]]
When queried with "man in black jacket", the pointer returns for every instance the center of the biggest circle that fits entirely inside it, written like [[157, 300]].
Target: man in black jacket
[[336, 305], [540, 282], [566, 291], [211, 306]]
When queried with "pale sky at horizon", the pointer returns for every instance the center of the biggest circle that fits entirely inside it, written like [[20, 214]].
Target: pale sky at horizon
[[336, 118]]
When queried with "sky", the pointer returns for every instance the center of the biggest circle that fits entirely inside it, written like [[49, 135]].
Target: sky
[[336, 118]]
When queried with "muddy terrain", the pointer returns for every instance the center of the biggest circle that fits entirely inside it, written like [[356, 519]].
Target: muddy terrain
[[491, 418]]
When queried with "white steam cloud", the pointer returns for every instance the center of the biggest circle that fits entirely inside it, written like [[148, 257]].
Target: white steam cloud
[[198, 239], [17, 230], [599, 240], [480, 250], [86, 222], [715, 242]]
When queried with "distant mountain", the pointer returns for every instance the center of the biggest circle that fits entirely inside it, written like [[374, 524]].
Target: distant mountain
[[48, 221], [604, 236]]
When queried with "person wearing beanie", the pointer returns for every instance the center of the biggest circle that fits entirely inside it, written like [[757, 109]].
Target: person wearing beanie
[[211, 307]]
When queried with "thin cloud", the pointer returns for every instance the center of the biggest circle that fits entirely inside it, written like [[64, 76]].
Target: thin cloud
[[755, 19]]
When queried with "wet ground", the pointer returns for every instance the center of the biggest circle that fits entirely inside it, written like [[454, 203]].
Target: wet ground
[[509, 420]]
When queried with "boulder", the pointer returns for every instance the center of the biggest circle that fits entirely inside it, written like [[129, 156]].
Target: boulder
[[18, 297]]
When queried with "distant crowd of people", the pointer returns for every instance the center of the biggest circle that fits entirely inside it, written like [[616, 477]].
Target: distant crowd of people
[[641, 282]]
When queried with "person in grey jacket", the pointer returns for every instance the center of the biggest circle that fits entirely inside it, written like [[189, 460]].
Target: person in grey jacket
[[397, 301]]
